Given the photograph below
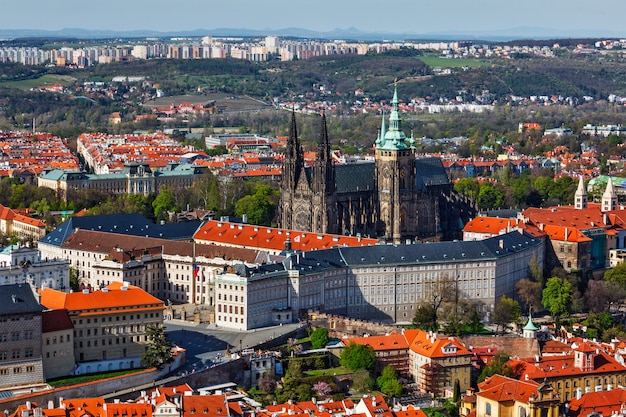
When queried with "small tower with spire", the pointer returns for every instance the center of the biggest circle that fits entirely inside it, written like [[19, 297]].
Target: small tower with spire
[[580, 198], [530, 330], [609, 198]]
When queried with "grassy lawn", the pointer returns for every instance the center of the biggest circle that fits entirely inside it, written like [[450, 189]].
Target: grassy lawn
[[340, 370], [35, 82], [61, 382], [436, 61]]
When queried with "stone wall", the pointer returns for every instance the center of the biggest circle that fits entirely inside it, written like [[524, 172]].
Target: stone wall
[[339, 326]]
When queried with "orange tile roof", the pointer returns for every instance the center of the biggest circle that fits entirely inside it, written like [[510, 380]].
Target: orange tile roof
[[494, 225], [250, 236], [392, 341], [115, 297], [205, 405], [501, 388], [431, 346], [563, 365]]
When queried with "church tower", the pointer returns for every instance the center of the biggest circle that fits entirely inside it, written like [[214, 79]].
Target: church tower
[[609, 198], [293, 167], [396, 178], [323, 186], [580, 198]]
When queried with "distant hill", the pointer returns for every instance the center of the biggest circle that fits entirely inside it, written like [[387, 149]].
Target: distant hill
[[346, 34]]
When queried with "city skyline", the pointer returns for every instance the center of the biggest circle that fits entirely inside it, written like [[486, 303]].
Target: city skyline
[[572, 18]]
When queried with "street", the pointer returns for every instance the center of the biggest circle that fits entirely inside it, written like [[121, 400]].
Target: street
[[204, 342]]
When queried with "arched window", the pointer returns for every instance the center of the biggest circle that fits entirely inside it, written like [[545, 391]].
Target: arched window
[[488, 409], [522, 412]]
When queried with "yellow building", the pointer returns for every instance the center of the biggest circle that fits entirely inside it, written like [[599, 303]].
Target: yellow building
[[587, 369], [500, 396]]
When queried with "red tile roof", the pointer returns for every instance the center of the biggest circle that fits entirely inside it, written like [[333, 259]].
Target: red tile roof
[[392, 341], [261, 237], [605, 403], [432, 346]]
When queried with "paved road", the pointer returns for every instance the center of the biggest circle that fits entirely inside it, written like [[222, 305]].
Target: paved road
[[203, 342]]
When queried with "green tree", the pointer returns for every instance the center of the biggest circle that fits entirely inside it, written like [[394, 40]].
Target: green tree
[[507, 310], [557, 297], [319, 338], [617, 275], [355, 357], [294, 368], [165, 201], [74, 280], [425, 318], [388, 382], [260, 207], [498, 365], [489, 197], [362, 381], [159, 348]]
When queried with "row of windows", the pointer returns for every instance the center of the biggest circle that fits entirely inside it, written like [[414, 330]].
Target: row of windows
[[16, 354], [117, 318], [16, 336], [229, 309], [118, 341], [17, 369]]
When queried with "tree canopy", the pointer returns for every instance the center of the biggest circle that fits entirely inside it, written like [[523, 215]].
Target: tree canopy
[[159, 351], [355, 357], [319, 338], [557, 297]]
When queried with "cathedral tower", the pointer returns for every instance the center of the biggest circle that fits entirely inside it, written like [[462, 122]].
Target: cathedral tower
[[396, 178], [323, 185], [580, 198], [293, 167], [609, 198]]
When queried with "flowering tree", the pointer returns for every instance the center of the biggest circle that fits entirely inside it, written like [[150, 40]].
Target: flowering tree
[[322, 388]]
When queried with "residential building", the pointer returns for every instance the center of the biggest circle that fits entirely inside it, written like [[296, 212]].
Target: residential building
[[109, 324], [391, 350], [437, 363], [20, 225], [57, 336], [20, 337], [585, 370]]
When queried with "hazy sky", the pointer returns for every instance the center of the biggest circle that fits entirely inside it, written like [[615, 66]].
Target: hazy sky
[[399, 16]]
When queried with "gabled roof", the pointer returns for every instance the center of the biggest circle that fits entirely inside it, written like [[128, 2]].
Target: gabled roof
[[55, 320], [431, 346]]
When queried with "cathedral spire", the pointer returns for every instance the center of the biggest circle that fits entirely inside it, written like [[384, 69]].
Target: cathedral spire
[[380, 141], [580, 198], [323, 169], [294, 159], [609, 198], [394, 138]]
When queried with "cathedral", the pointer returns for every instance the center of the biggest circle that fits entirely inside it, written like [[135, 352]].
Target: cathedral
[[398, 198]]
